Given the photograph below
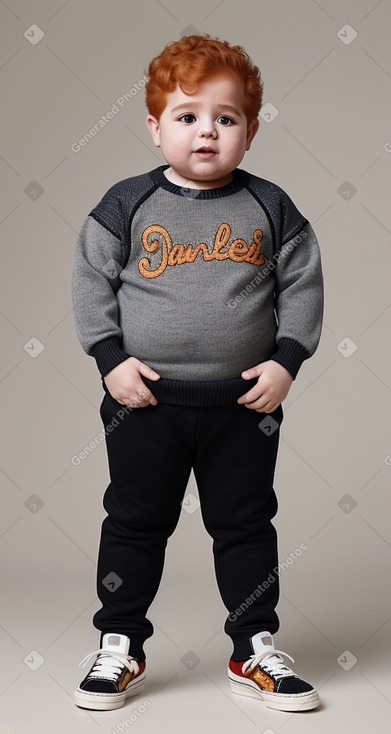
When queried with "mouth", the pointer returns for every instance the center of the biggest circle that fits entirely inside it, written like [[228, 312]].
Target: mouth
[[205, 152]]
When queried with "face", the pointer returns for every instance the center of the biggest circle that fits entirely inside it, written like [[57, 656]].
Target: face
[[212, 118]]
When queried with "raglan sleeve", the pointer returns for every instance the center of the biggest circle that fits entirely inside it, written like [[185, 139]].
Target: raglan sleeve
[[95, 283], [299, 288]]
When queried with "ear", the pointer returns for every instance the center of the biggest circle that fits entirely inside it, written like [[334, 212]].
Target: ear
[[154, 129], [252, 129]]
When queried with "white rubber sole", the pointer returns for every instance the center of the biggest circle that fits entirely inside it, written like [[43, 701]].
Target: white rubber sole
[[279, 701], [108, 701]]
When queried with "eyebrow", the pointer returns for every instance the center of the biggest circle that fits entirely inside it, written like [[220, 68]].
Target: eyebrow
[[196, 104]]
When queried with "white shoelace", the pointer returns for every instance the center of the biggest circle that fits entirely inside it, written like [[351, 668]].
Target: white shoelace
[[274, 665], [109, 664]]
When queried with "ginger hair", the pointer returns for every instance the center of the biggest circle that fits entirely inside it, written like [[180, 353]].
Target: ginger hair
[[194, 59]]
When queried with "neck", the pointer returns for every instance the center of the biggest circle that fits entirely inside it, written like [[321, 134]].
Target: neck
[[179, 180]]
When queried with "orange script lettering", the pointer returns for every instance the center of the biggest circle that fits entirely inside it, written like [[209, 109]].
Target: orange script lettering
[[156, 237]]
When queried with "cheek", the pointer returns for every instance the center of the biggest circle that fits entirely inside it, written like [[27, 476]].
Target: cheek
[[176, 138], [236, 139]]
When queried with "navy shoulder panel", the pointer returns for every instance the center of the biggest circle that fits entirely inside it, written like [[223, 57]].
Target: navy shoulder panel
[[285, 219], [117, 207]]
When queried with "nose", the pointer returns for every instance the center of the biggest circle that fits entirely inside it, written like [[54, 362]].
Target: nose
[[207, 131]]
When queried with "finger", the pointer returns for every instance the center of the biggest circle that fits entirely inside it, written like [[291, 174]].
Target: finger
[[146, 395], [136, 401], [249, 396], [143, 398], [271, 409], [259, 405], [138, 398], [275, 406], [255, 405]]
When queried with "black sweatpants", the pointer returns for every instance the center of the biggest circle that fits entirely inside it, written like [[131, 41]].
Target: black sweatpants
[[151, 452]]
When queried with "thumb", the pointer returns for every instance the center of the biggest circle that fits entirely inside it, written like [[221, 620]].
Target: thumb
[[147, 371], [252, 372]]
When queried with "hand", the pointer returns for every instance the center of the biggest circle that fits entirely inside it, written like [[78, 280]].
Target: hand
[[270, 390], [126, 386]]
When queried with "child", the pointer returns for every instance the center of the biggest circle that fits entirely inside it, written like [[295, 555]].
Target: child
[[178, 277]]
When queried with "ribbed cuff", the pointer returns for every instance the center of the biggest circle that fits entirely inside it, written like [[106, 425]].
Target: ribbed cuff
[[290, 354], [108, 353]]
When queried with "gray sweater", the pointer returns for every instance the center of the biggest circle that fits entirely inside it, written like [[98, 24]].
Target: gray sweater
[[200, 284]]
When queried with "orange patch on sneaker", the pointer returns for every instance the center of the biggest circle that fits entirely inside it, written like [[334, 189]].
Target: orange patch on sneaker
[[262, 679], [124, 679]]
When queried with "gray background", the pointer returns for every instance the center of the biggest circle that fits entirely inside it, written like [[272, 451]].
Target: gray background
[[329, 148]]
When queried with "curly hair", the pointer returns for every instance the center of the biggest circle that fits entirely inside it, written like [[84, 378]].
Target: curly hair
[[194, 59]]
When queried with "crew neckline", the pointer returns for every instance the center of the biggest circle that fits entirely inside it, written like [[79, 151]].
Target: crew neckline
[[238, 182]]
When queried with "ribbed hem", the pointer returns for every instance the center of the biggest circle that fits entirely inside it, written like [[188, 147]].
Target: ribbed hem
[[199, 393], [290, 354], [108, 353]]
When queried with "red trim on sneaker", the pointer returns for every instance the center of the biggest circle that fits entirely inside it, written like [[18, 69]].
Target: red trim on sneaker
[[236, 667]]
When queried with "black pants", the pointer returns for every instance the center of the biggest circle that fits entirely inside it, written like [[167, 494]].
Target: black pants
[[151, 452]]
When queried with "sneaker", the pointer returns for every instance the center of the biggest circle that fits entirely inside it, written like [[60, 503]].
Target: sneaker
[[265, 676], [114, 676]]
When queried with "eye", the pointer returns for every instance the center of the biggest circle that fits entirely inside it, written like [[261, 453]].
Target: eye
[[188, 114], [226, 119]]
